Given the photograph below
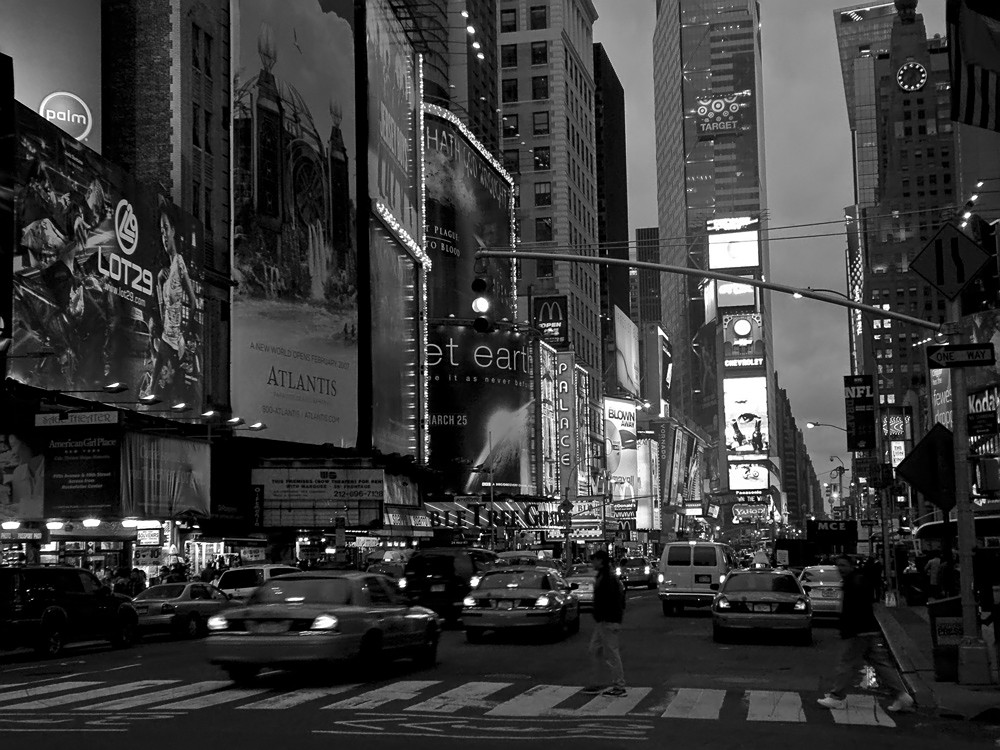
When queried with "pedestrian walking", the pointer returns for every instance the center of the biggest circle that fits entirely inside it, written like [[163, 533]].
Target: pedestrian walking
[[609, 608], [860, 631], [933, 570]]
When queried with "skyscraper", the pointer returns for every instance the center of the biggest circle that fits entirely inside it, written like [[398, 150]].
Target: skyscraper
[[711, 193], [648, 308]]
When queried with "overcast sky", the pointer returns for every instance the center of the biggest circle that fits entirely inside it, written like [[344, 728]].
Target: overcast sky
[[808, 168]]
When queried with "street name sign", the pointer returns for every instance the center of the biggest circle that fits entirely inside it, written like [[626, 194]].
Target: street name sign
[[960, 355], [950, 261]]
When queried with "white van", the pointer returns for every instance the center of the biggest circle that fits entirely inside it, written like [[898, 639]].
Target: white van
[[239, 583], [691, 573]]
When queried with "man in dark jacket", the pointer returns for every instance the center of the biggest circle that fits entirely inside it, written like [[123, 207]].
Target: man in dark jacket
[[609, 606], [862, 643]]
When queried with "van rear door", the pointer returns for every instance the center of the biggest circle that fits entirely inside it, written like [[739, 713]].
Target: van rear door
[[708, 564], [676, 566]]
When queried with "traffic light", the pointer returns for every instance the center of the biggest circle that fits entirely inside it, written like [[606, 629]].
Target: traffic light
[[481, 305]]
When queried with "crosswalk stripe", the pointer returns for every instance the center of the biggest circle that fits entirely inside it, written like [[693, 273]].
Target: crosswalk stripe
[[296, 698], [863, 710], [398, 691], [609, 705], [103, 692], [215, 699], [695, 703], [148, 699], [55, 687], [535, 701], [469, 695], [774, 705]]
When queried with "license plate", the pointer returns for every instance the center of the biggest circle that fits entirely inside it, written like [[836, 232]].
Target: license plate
[[829, 593], [760, 607], [276, 626], [703, 579], [505, 604], [437, 588], [141, 610]]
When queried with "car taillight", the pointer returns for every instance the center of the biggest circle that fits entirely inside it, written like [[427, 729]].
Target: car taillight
[[645, 571], [167, 608], [402, 583], [722, 603], [659, 577]]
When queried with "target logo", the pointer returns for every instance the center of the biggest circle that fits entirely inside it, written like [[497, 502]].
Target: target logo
[[718, 114]]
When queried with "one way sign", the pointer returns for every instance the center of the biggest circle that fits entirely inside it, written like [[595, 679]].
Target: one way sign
[[960, 355]]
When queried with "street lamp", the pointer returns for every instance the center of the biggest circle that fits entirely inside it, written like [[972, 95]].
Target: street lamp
[[813, 425]]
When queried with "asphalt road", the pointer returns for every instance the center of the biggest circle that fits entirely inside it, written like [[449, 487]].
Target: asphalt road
[[684, 691]]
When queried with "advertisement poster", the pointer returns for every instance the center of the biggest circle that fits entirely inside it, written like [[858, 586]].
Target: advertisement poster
[[743, 340], [393, 98], [481, 407], [746, 416], [295, 305], [60, 468], [468, 208], [733, 250], [627, 352], [620, 455], [317, 497], [748, 476], [551, 317], [164, 477], [395, 338], [645, 494], [107, 275], [566, 428], [859, 406], [56, 47]]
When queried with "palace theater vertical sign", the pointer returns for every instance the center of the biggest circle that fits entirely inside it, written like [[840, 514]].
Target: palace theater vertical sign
[[859, 403]]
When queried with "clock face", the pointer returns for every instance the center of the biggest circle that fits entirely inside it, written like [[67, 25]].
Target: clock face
[[911, 76]]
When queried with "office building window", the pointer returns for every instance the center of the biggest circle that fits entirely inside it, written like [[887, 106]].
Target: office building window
[[508, 56], [544, 268], [538, 17], [208, 132], [508, 20], [540, 123], [208, 209], [543, 158], [196, 46], [196, 125], [508, 90], [510, 128], [539, 53], [543, 229], [207, 67], [543, 193], [512, 160], [540, 87], [196, 200]]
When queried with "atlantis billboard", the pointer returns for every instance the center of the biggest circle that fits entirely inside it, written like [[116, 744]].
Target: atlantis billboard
[[295, 260]]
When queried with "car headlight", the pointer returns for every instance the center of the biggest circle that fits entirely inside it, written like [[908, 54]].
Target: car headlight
[[468, 602], [722, 603], [801, 605], [722, 579], [217, 622], [402, 583], [618, 571], [645, 571], [474, 581], [325, 622], [659, 577], [543, 601]]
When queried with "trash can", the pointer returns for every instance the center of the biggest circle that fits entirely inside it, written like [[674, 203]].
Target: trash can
[[946, 636]]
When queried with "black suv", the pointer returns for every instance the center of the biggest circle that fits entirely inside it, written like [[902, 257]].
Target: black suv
[[47, 607], [441, 577]]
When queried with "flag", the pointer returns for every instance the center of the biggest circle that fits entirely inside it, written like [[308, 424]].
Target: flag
[[974, 54]]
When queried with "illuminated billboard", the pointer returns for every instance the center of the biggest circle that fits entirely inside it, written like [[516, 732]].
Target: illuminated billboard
[[295, 251], [106, 275], [627, 352], [620, 455], [745, 402], [748, 476], [551, 317], [743, 340], [733, 250], [730, 294], [725, 114], [566, 427], [646, 488]]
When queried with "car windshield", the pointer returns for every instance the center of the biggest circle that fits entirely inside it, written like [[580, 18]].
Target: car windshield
[[581, 570], [783, 584], [515, 580], [304, 591], [821, 575], [636, 563], [167, 591]]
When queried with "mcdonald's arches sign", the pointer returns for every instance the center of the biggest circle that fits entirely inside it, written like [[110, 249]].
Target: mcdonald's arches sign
[[551, 315]]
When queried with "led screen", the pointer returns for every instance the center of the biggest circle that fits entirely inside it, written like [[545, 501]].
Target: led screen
[[746, 416], [731, 294], [733, 250], [747, 476]]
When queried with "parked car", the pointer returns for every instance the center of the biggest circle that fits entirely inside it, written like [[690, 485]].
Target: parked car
[[583, 577], [761, 600], [824, 586], [46, 608], [179, 608], [321, 618], [637, 571], [691, 572], [518, 598], [239, 583], [441, 577]]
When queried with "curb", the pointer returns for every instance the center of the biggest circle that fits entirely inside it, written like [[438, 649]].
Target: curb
[[912, 663]]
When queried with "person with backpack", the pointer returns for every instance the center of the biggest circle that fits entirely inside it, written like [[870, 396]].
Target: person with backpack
[[608, 610]]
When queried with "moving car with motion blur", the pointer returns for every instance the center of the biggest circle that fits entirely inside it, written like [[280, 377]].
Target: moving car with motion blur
[[182, 609], [320, 618], [761, 600], [518, 598], [582, 577], [824, 585], [637, 572], [239, 583], [441, 577]]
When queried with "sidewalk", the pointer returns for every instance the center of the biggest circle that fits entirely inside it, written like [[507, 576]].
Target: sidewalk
[[908, 635]]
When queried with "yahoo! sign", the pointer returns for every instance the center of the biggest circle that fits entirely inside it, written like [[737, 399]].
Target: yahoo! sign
[[69, 112]]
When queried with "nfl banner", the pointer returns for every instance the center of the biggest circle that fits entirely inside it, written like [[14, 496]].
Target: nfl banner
[[974, 54]]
